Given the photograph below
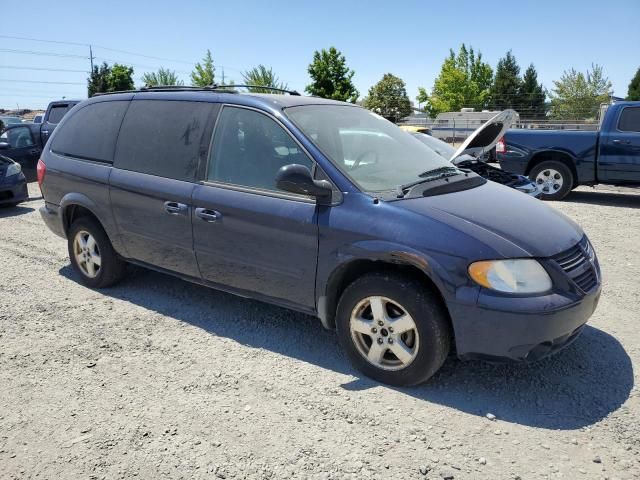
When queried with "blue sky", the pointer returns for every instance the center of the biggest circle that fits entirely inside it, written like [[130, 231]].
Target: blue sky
[[409, 39]]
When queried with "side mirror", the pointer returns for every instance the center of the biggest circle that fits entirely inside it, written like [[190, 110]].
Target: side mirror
[[296, 178], [4, 146]]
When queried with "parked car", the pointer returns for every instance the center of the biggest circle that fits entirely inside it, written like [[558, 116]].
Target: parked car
[[13, 184], [24, 142], [6, 120], [260, 196], [561, 160], [477, 164], [38, 118]]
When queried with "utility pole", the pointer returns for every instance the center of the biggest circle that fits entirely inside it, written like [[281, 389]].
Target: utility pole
[[222, 75], [91, 58]]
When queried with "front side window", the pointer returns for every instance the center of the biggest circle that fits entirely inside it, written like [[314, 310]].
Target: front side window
[[166, 138], [372, 151], [57, 112], [630, 120], [17, 137], [249, 148]]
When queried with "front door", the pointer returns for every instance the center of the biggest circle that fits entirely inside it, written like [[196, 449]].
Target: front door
[[248, 235], [160, 146], [22, 147], [619, 159]]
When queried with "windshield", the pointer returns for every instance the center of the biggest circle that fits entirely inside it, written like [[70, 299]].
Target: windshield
[[370, 150]]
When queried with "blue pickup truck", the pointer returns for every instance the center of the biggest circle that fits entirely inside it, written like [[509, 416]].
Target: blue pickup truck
[[559, 160]]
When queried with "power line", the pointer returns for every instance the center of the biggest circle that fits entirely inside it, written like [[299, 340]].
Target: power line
[[38, 81], [44, 41], [51, 54], [45, 69]]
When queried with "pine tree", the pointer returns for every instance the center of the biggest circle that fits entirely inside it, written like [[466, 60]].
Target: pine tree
[[634, 87], [506, 83], [330, 76], [531, 97], [204, 74]]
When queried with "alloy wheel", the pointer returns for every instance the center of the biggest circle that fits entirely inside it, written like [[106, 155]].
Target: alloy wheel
[[87, 254], [384, 333]]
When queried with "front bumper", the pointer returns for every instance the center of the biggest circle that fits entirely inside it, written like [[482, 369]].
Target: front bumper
[[13, 189], [520, 329]]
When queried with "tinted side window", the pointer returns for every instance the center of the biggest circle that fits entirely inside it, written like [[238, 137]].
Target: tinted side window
[[249, 149], [57, 112], [91, 132], [19, 137], [629, 120], [165, 138]]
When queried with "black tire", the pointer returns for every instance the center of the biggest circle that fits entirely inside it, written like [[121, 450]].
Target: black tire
[[112, 268], [565, 174], [430, 318]]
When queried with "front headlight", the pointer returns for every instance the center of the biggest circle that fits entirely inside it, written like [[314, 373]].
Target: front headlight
[[511, 276], [13, 169]]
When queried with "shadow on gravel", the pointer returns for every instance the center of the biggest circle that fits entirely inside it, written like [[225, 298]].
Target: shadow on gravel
[[14, 211], [607, 199], [577, 387]]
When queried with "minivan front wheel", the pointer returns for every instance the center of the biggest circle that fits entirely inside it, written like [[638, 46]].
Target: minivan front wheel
[[92, 254], [393, 329]]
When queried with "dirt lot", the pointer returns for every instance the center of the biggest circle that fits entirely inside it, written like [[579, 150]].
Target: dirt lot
[[159, 378]]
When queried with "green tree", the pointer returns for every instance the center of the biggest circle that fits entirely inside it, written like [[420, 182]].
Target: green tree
[[204, 74], [532, 96], [98, 81], [506, 83], [163, 76], [330, 76], [389, 98], [577, 96], [634, 87], [264, 77], [120, 78], [464, 81]]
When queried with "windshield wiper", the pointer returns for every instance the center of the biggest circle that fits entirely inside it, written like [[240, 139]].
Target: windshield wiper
[[428, 176]]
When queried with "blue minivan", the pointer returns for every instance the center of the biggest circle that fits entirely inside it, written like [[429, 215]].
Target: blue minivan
[[326, 208]]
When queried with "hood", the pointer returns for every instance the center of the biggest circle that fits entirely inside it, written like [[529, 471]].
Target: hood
[[510, 222], [484, 138]]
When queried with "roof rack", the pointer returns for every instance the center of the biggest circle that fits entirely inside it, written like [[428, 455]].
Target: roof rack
[[208, 88]]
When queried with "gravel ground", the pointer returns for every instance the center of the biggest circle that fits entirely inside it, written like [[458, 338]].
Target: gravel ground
[[159, 378]]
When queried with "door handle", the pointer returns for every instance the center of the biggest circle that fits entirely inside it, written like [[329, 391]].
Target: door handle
[[618, 142], [35, 151], [175, 208], [208, 215]]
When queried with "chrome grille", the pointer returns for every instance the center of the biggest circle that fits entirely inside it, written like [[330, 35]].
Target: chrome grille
[[577, 264]]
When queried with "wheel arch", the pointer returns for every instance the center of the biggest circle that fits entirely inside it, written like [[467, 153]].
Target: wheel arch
[[343, 275], [554, 155]]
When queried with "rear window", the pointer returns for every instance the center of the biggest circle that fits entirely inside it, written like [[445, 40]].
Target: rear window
[[165, 138], [91, 132], [57, 112], [630, 120]]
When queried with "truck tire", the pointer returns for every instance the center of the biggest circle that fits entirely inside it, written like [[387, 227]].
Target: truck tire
[[554, 179], [92, 254], [393, 329]]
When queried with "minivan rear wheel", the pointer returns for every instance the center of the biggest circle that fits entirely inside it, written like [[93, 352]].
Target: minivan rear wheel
[[92, 254], [393, 329]]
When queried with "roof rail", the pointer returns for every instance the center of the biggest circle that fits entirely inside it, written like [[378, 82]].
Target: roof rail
[[208, 88]]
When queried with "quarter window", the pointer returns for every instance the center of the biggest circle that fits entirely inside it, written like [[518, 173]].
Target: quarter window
[[166, 138], [250, 148], [630, 120], [90, 132]]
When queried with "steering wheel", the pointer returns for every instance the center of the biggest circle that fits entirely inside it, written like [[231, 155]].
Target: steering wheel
[[361, 157]]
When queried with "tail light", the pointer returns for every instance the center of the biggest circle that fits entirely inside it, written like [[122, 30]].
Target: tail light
[[501, 147], [41, 170]]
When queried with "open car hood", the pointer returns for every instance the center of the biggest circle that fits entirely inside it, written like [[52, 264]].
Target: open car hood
[[485, 137]]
